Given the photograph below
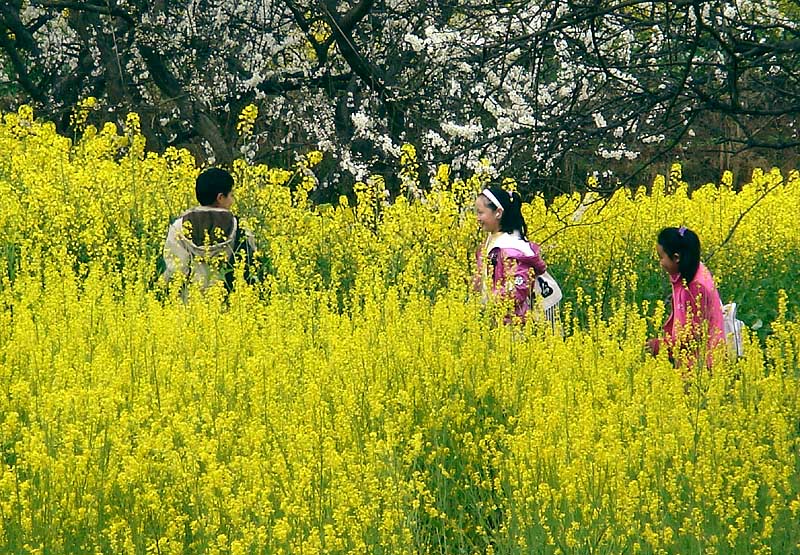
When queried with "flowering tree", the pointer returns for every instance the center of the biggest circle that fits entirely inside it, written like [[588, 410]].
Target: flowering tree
[[541, 89]]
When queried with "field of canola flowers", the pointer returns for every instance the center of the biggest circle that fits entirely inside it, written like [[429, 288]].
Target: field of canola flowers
[[356, 399]]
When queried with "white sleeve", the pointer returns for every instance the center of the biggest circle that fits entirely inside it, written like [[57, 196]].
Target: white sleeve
[[251, 240], [176, 257]]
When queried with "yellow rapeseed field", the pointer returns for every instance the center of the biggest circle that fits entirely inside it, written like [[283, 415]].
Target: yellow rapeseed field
[[357, 399]]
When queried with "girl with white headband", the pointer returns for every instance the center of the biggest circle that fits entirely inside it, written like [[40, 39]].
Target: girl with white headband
[[508, 265]]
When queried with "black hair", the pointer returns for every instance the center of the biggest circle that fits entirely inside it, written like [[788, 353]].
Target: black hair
[[686, 243], [210, 184], [511, 203]]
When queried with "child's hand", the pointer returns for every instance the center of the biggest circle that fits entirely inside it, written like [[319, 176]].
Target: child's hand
[[652, 346]]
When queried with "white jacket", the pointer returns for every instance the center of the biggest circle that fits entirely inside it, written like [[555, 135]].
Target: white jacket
[[201, 243]]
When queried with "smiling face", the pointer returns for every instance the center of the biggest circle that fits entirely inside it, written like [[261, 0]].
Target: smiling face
[[488, 218], [669, 263]]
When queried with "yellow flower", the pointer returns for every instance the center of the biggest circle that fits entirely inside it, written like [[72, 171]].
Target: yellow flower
[[359, 397], [247, 119]]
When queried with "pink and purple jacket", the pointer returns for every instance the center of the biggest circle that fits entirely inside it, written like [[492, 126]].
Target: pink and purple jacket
[[511, 264], [700, 301]]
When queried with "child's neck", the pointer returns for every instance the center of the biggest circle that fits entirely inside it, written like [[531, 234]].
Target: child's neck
[[492, 238]]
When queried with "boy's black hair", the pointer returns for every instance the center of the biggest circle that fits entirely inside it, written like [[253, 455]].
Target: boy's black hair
[[211, 183], [686, 243], [511, 203]]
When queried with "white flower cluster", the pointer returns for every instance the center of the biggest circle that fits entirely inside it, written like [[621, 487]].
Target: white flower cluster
[[468, 131], [617, 153], [459, 81]]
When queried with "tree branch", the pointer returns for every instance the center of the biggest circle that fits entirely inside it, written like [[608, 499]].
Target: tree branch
[[738, 221], [23, 77], [168, 84], [87, 7]]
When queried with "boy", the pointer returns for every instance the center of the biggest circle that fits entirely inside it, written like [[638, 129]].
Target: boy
[[206, 240]]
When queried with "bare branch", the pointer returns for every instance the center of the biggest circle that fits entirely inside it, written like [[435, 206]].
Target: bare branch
[[87, 7], [741, 217]]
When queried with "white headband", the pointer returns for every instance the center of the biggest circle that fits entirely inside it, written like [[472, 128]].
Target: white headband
[[488, 194]]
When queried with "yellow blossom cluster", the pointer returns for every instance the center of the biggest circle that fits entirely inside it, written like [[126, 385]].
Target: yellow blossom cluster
[[358, 398], [81, 112], [247, 120]]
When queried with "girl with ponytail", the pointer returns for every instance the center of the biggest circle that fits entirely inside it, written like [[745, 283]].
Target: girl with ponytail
[[508, 265], [696, 321]]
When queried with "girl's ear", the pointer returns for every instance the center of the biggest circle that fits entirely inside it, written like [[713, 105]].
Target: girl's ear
[[676, 257]]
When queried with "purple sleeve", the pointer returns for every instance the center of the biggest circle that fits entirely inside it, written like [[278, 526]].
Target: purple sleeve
[[539, 265]]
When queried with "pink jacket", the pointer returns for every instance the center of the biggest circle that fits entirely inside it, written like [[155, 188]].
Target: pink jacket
[[512, 265], [699, 300]]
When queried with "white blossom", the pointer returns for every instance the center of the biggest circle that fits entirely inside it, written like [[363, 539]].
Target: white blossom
[[599, 120], [468, 131]]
